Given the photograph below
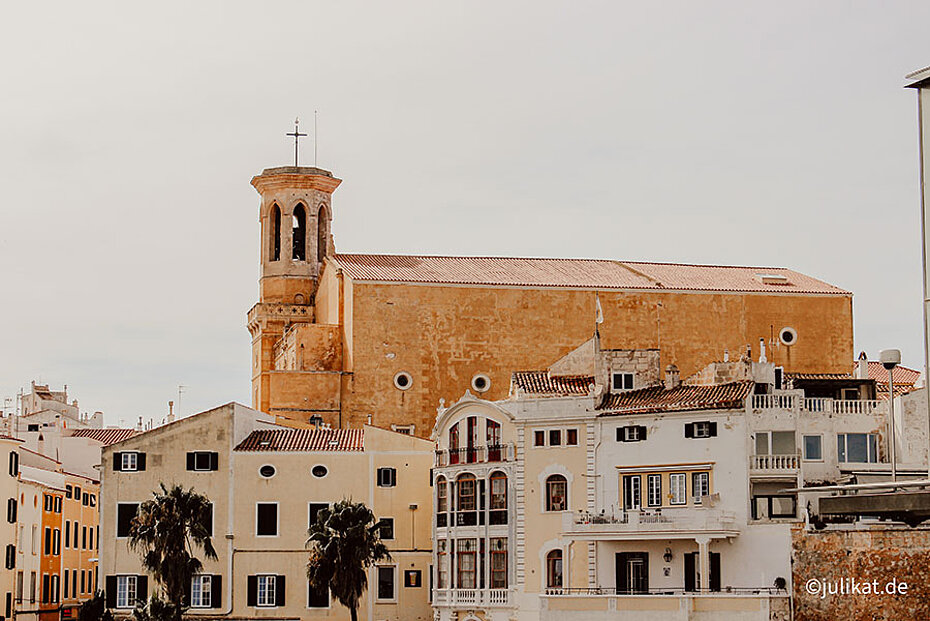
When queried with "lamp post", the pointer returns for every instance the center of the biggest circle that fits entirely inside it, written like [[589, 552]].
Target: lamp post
[[890, 359]]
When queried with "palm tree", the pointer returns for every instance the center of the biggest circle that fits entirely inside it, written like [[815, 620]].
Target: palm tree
[[166, 531], [344, 542]]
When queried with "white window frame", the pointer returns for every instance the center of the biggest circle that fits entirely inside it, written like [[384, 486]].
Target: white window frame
[[199, 454], [653, 492], [704, 488], [202, 591], [804, 446], [631, 433], [277, 517], [127, 591], [623, 375], [129, 461], [378, 569], [393, 476], [329, 599], [393, 530], [702, 429], [266, 584], [673, 496], [873, 459]]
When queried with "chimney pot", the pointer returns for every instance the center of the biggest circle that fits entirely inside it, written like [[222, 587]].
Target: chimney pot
[[672, 377]]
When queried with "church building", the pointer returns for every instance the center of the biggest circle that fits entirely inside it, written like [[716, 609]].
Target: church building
[[356, 339]]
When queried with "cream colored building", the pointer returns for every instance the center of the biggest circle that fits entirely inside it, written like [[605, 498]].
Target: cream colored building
[[9, 496], [598, 492], [266, 482]]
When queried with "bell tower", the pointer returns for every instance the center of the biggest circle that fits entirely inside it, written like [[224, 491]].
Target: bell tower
[[295, 215]]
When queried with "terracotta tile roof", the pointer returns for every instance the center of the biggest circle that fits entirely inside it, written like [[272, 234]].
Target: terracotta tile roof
[[3, 436], [901, 375], [577, 274], [539, 382], [105, 436], [304, 440], [819, 376], [680, 399]]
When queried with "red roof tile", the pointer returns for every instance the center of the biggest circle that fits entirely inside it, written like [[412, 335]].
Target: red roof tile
[[819, 376], [900, 375], [539, 382], [105, 436], [680, 399], [576, 273], [304, 440]]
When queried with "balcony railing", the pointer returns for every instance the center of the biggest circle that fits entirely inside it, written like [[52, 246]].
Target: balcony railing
[[666, 591], [795, 402], [475, 455], [774, 463], [488, 598], [646, 522]]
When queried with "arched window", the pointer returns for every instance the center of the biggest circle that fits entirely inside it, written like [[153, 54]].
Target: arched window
[[299, 234], [498, 491], [554, 569], [556, 493], [466, 500], [274, 245], [321, 234]]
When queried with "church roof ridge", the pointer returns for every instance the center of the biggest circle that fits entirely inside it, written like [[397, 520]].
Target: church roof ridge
[[577, 273]]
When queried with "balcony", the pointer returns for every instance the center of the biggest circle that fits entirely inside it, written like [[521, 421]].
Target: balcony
[[798, 403], [667, 523], [472, 598], [786, 465], [748, 604], [475, 455]]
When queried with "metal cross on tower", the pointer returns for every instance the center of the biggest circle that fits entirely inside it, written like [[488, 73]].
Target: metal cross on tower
[[297, 136]]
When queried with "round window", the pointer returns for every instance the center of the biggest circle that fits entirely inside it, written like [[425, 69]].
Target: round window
[[403, 381], [319, 471], [788, 336], [481, 382], [266, 471]]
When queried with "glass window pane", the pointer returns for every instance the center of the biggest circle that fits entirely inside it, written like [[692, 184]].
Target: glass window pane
[[782, 506], [856, 447], [783, 443], [812, 448], [762, 443], [873, 448]]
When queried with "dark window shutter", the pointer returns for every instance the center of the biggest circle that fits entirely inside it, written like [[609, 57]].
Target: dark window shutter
[[142, 589], [715, 571], [186, 599], [481, 495], [214, 461], [252, 591], [111, 591], [619, 434], [620, 560], [11, 510], [689, 570], [689, 430], [117, 462], [642, 432], [713, 429], [190, 461], [216, 591], [279, 591], [141, 462]]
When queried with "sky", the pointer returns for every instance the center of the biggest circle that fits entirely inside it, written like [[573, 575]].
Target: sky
[[769, 134]]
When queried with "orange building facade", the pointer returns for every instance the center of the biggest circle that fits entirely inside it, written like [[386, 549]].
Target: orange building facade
[[50, 560], [355, 338]]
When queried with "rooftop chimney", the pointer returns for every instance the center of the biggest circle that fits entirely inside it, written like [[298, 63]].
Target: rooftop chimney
[[171, 411], [862, 366], [672, 377], [726, 355], [762, 357]]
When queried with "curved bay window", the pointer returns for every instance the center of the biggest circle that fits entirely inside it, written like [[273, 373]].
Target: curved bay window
[[556, 493], [466, 501], [442, 501], [498, 546], [554, 569], [498, 500], [466, 557], [442, 564]]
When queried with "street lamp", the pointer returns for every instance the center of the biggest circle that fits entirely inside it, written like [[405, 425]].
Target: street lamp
[[890, 359]]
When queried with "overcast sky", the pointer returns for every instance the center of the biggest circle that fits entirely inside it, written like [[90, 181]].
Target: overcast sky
[[734, 133]]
